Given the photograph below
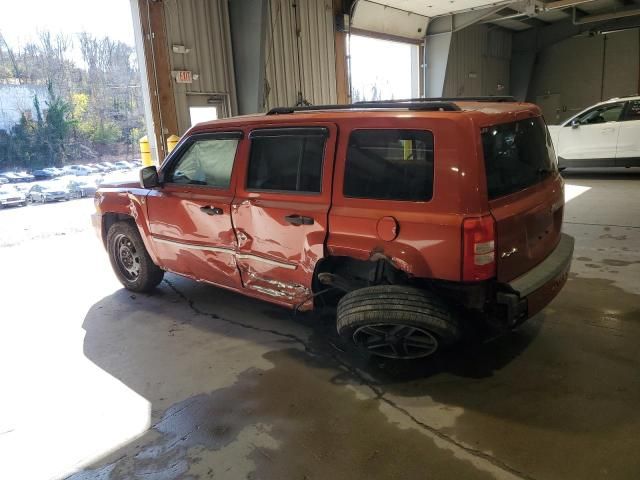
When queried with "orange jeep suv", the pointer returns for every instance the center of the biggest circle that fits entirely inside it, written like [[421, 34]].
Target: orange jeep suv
[[411, 216]]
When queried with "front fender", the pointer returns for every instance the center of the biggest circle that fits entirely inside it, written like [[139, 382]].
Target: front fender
[[128, 203]]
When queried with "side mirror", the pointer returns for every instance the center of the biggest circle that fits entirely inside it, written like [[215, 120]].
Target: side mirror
[[149, 177], [575, 123]]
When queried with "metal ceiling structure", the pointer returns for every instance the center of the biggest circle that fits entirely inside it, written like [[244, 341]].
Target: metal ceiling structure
[[409, 18]]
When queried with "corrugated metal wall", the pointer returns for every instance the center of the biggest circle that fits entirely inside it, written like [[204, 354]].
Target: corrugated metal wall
[[478, 64], [573, 70], [203, 27], [316, 80]]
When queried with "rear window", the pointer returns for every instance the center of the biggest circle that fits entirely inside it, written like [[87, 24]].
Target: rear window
[[389, 165], [517, 155]]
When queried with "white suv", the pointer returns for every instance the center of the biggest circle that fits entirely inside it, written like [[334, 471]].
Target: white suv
[[604, 135]]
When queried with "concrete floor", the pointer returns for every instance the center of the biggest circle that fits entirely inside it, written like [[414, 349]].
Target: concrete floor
[[196, 382]]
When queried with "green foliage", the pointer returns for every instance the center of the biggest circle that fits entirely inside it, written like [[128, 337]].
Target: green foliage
[[88, 111], [107, 133]]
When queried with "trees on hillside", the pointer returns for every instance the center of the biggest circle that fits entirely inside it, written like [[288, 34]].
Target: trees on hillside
[[93, 104]]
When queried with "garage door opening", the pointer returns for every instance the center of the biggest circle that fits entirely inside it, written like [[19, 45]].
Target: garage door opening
[[383, 69]]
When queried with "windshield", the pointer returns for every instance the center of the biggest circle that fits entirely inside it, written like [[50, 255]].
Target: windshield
[[517, 155]]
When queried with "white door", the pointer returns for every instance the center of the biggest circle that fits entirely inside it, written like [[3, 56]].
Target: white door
[[628, 153], [592, 135]]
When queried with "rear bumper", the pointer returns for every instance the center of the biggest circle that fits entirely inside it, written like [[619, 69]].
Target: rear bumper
[[528, 294], [12, 202]]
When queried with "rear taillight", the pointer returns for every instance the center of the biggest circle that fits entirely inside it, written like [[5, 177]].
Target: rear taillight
[[479, 245]]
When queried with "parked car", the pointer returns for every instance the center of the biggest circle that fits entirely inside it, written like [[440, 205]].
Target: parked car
[[110, 166], [49, 192], [79, 170], [604, 135], [11, 197], [25, 177], [99, 167], [82, 187], [53, 171], [22, 187], [409, 216], [122, 165], [12, 177], [43, 174]]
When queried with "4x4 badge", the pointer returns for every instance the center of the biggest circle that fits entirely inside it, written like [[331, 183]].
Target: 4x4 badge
[[508, 253]]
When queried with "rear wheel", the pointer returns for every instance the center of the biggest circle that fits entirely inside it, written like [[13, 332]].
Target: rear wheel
[[397, 322], [130, 260]]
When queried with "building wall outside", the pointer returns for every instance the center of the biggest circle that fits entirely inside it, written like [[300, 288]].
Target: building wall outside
[[18, 99], [203, 27], [581, 71], [479, 60]]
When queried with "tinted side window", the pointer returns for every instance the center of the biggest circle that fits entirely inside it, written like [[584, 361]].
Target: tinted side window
[[206, 162], [287, 161], [633, 111], [390, 165], [516, 156], [602, 114]]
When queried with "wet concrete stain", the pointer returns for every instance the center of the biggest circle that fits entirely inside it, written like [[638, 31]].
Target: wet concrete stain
[[583, 259], [592, 265], [323, 432], [612, 237], [546, 414], [618, 263]]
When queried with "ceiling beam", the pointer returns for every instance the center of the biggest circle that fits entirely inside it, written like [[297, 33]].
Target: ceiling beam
[[606, 16], [563, 4], [458, 21]]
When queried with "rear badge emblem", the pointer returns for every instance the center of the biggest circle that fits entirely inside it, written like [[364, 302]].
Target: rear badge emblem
[[508, 253]]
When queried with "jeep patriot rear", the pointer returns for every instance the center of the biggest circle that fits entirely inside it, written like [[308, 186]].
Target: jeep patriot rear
[[411, 216]]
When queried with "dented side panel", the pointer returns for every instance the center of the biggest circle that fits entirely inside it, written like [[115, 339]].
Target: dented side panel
[[129, 200], [277, 258]]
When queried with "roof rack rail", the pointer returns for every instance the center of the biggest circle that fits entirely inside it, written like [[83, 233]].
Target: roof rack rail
[[435, 105], [502, 98]]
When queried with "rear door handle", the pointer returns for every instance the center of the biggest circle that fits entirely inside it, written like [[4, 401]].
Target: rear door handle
[[209, 210], [295, 219]]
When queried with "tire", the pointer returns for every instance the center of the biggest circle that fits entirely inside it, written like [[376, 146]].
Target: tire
[[396, 321], [130, 260]]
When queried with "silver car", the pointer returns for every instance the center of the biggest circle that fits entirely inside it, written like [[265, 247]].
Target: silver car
[[49, 192], [11, 197]]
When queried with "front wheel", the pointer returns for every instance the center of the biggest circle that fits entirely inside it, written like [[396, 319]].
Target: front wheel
[[398, 322], [130, 260]]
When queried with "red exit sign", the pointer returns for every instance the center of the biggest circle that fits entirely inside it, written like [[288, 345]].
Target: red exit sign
[[184, 76]]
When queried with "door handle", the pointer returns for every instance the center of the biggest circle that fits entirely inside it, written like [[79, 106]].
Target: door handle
[[209, 210], [295, 219]]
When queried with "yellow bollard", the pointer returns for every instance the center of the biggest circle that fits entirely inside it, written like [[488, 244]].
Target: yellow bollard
[[145, 152], [172, 141]]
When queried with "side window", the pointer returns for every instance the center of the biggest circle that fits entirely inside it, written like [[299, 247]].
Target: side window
[[207, 162], [287, 160], [389, 165], [632, 112], [602, 114]]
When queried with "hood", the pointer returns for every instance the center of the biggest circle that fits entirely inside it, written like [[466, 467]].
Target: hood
[[14, 194], [120, 184]]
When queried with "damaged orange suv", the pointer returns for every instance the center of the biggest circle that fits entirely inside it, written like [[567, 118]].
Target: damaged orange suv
[[411, 216]]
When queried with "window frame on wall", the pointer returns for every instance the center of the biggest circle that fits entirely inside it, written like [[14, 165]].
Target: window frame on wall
[[306, 132]]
